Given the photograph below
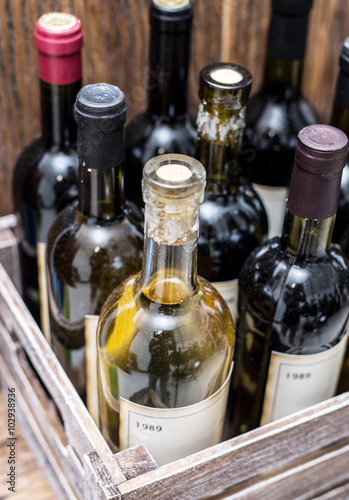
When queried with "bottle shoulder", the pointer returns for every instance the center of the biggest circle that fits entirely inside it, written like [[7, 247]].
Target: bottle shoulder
[[46, 176], [270, 274], [150, 136], [237, 210], [299, 303], [269, 118], [84, 240]]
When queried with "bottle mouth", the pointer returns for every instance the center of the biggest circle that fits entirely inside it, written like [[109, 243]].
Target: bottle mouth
[[225, 84], [171, 16], [173, 186], [321, 149], [100, 105], [174, 175]]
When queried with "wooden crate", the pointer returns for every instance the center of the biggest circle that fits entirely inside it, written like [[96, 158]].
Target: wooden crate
[[303, 456]]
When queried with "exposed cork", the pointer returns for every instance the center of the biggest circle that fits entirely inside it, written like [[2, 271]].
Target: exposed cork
[[57, 21], [174, 172], [171, 4], [228, 76]]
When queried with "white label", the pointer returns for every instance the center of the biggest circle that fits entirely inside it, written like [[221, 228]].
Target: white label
[[229, 291], [274, 201], [297, 382], [173, 433], [43, 291], [91, 322]]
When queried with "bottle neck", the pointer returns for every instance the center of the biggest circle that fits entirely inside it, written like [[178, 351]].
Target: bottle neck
[[283, 77], [286, 45], [169, 271], [101, 192], [340, 110], [57, 118], [168, 73], [217, 148], [305, 237]]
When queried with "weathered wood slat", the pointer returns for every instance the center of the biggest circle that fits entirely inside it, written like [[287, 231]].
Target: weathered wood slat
[[46, 458]]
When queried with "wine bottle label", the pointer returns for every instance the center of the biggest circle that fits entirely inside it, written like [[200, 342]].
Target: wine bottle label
[[91, 322], [229, 291], [297, 382], [173, 433], [43, 292], [274, 201]]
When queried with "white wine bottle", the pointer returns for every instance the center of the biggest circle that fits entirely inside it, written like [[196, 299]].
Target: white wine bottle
[[166, 336]]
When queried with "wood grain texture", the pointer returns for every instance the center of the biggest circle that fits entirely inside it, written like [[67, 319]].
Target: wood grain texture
[[116, 51], [31, 480]]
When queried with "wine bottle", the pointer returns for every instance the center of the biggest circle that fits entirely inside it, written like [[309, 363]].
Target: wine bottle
[[277, 112], [293, 296], [91, 247], [165, 336], [233, 220], [45, 177], [165, 125], [340, 119]]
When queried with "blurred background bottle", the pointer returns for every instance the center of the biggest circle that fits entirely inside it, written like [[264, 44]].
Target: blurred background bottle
[[294, 297], [165, 336], [94, 246], [233, 220], [165, 126], [277, 112], [340, 118], [45, 176]]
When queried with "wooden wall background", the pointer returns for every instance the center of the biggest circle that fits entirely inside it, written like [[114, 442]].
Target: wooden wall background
[[116, 51]]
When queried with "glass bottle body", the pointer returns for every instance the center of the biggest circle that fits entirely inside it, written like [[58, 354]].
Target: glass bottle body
[[164, 343], [292, 302], [165, 126], [91, 248], [45, 181], [340, 119], [233, 220], [149, 135], [274, 116]]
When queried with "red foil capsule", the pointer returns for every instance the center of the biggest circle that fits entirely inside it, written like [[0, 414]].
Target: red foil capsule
[[59, 40]]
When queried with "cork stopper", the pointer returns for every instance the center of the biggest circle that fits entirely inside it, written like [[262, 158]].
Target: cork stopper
[[228, 76], [321, 153], [173, 186], [171, 4], [57, 21]]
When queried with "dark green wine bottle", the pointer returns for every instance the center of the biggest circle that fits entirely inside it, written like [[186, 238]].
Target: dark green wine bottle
[[294, 297], [233, 220], [165, 126], [45, 177], [277, 112], [94, 246], [340, 118]]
